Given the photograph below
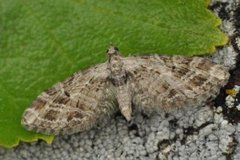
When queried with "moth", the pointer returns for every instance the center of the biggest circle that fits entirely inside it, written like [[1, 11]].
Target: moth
[[152, 83]]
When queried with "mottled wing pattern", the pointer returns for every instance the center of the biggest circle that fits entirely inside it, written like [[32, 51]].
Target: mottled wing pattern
[[165, 82], [73, 105]]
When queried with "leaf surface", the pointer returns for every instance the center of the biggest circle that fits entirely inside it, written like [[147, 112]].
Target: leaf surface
[[43, 42]]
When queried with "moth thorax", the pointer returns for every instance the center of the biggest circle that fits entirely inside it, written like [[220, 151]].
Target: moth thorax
[[117, 72]]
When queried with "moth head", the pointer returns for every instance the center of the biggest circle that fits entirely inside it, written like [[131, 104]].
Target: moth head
[[112, 50]]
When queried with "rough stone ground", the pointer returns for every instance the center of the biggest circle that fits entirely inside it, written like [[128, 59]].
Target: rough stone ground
[[210, 132]]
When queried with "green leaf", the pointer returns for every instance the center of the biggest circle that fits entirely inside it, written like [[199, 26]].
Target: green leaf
[[43, 42]]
